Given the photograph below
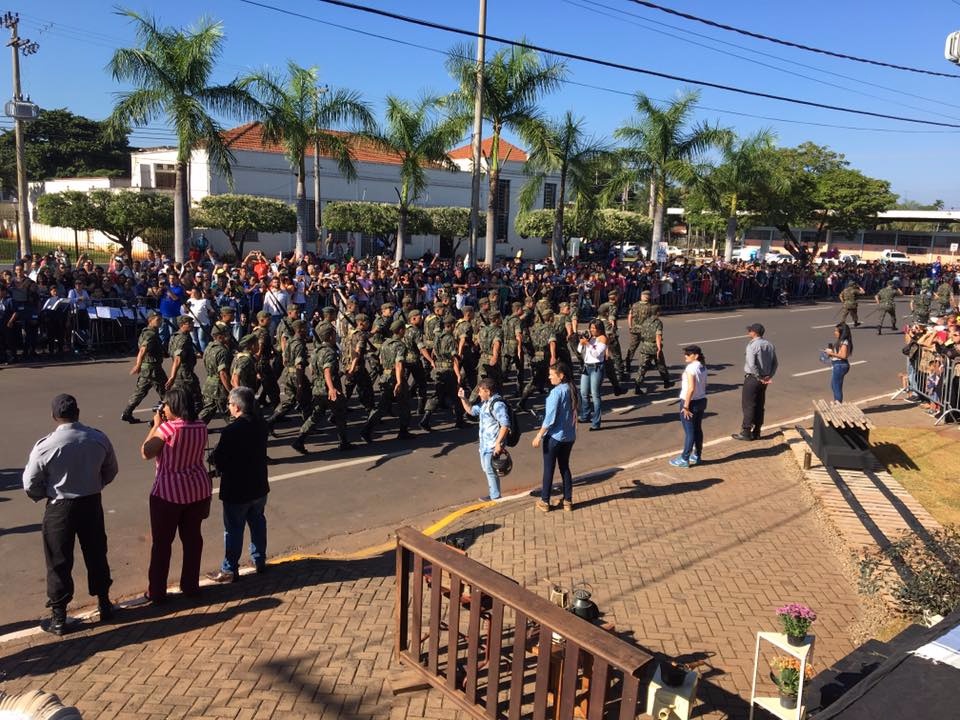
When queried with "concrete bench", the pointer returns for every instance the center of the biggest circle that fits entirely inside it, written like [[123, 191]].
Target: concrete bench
[[841, 435]]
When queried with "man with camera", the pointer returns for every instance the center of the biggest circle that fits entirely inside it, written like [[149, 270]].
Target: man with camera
[[240, 458]]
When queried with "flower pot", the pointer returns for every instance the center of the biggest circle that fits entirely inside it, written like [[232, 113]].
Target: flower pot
[[796, 640], [672, 675], [788, 701]]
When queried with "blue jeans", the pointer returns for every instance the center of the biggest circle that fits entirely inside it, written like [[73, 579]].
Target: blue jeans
[[235, 517], [167, 327], [199, 335], [693, 429], [590, 381], [493, 482], [840, 369], [556, 453]]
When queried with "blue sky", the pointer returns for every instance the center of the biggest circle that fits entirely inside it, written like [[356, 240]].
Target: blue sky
[[77, 38]]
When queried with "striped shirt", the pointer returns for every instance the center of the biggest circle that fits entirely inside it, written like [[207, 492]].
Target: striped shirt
[[181, 474]]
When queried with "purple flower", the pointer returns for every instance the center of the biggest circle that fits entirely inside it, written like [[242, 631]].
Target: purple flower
[[797, 611]]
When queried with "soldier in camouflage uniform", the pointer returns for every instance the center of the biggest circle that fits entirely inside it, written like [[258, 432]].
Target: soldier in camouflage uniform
[[243, 369], [886, 299], [848, 296], [148, 367], [513, 345], [264, 354], [356, 374], [294, 377], [544, 342], [446, 371], [920, 304], [328, 398], [380, 331], [328, 319], [491, 352], [561, 328], [416, 351], [184, 355], [216, 385], [433, 323], [639, 312], [286, 331], [393, 385], [944, 296], [607, 312], [465, 333], [228, 317], [651, 351], [573, 321]]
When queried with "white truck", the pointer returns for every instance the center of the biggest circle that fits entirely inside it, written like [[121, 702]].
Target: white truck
[[894, 256]]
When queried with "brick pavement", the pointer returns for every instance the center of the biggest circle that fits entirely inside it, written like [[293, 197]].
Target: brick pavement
[[683, 562]]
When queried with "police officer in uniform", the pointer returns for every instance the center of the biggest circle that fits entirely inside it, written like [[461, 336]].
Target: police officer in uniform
[[544, 341], [651, 351], [491, 352], [148, 367], [446, 371], [848, 296], [886, 299], [608, 313], [356, 374], [294, 377], [217, 359], [639, 312], [328, 397], [393, 385], [184, 355], [264, 355], [243, 369]]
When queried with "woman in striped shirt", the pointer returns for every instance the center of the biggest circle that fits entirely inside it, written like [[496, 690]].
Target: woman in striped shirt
[[180, 497]]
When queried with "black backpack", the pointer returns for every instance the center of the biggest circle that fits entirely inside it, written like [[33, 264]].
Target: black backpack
[[513, 435]]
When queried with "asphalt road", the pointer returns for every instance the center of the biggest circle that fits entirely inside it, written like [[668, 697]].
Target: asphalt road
[[328, 493]]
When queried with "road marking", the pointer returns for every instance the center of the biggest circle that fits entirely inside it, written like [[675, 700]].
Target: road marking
[[826, 369], [742, 336], [628, 408], [716, 317], [821, 327], [826, 307]]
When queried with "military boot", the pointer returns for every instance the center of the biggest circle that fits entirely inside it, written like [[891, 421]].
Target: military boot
[[425, 422], [298, 445], [56, 624]]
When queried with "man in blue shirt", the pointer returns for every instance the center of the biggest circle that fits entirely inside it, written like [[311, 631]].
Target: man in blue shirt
[[171, 300], [494, 426]]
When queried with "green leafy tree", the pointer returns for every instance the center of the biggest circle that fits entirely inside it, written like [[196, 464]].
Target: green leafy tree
[[540, 224], [297, 114], [661, 144], [380, 220], [171, 70], [61, 144], [237, 215], [420, 138], [620, 226], [562, 148], [514, 80], [122, 216]]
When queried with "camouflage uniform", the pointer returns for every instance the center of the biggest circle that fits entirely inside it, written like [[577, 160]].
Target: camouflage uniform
[[216, 359], [444, 377], [512, 355], [921, 303], [463, 331], [244, 364], [848, 296], [325, 357], [357, 346], [181, 345], [541, 335], [293, 378], [490, 335], [392, 351], [886, 299], [944, 295], [639, 312], [414, 342], [607, 312], [151, 370], [264, 356], [650, 357]]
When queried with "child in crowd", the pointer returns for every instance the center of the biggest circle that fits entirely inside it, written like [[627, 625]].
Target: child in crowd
[[934, 375]]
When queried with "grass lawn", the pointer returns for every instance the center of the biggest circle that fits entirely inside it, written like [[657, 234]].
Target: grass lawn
[[8, 251], [925, 462]]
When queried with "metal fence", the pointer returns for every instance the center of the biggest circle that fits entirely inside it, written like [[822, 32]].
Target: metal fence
[[935, 377]]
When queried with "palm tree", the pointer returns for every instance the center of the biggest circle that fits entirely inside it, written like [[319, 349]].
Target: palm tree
[[297, 113], [415, 133], [661, 143], [746, 165], [171, 70], [513, 81], [561, 148]]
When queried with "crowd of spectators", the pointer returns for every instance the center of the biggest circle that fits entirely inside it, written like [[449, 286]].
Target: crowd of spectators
[[44, 299]]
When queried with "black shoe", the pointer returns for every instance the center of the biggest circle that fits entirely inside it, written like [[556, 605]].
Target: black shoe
[[856, 324], [405, 435], [425, 424], [594, 427], [879, 331], [56, 624], [129, 418], [522, 405], [223, 577], [618, 391], [669, 384], [105, 607], [742, 436], [261, 568], [344, 446], [460, 425], [367, 435], [637, 390], [755, 436], [299, 446]]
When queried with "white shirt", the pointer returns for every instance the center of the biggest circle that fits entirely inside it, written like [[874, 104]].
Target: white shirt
[[594, 351], [199, 309], [79, 299], [275, 301], [694, 373]]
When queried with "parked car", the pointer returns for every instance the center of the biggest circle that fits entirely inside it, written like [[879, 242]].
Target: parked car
[[777, 256], [630, 249], [673, 251], [895, 256]]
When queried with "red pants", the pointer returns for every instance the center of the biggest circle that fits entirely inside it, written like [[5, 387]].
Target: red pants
[[166, 520]]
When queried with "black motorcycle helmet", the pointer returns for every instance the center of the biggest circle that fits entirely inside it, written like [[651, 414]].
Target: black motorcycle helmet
[[502, 464]]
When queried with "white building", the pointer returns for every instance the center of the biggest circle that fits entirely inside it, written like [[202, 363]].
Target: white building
[[265, 171]]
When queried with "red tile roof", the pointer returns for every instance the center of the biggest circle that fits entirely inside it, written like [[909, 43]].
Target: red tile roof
[[250, 137], [508, 151]]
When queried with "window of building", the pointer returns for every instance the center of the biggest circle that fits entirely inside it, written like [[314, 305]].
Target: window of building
[[164, 176], [503, 211], [549, 196]]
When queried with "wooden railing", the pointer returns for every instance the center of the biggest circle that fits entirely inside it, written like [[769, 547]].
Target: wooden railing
[[500, 651]]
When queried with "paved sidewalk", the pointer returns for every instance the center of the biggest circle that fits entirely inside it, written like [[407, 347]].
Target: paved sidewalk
[[682, 561]]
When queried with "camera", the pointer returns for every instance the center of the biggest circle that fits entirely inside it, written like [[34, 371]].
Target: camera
[[158, 409], [585, 334]]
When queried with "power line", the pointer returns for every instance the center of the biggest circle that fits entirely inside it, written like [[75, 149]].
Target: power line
[[644, 22], [607, 63], [789, 43]]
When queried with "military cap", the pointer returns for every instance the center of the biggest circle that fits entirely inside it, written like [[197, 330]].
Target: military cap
[[413, 313], [152, 314], [564, 306], [387, 306], [299, 325], [645, 293], [438, 304], [493, 315], [397, 325], [219, 329], [329, 310], [449, 320], [484, 301], [493, 294], [263, 314], [184, 319], [227, 310], [613, 293], [246, 341], [406, 301], [516, 304], [547, 314], [467, 308]]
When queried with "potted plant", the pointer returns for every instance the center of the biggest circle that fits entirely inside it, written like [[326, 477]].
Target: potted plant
[[795, 619], [786, 675]]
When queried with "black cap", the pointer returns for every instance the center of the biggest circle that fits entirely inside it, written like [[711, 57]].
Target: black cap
[[65, 406], [757, 328]]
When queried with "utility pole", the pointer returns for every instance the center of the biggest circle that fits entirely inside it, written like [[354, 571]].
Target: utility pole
[[478, 136], [21, 111]]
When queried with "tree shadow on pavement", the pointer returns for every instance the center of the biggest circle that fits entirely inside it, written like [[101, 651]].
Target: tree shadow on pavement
[[640, 491]]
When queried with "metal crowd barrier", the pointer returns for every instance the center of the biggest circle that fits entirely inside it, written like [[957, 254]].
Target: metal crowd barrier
[[945, 392]]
